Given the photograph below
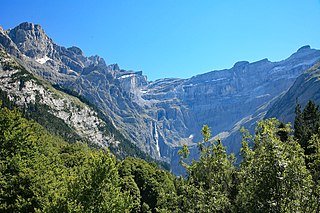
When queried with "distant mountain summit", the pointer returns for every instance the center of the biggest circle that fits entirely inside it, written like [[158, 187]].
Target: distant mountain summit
[[31, 40], [161, 115]]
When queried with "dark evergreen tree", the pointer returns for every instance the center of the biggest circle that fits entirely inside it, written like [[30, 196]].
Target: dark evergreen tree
[[283, 132], [298, 123], [314, 167], [306, 124]]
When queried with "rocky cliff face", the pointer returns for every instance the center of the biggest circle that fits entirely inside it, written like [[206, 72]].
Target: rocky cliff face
[[162, 115], [23, 89]]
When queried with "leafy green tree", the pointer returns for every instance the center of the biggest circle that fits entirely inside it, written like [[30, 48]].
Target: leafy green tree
[[184, 154], [30, 182], [97, 188], [273, 176], [154, 187], [210, 179]]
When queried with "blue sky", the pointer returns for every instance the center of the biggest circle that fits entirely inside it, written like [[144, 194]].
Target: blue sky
[[174, 38]]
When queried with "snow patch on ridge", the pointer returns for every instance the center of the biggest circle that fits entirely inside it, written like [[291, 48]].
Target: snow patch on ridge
[[43, 60], [126, 76]]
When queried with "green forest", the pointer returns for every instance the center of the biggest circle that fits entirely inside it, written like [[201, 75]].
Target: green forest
[[279, 171]]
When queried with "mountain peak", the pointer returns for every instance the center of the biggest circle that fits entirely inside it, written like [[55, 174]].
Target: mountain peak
[[27, 31], [30, 39], [29, 26], [75, 50], [240, 63], [303, 52], [262, 61], [304, 48]]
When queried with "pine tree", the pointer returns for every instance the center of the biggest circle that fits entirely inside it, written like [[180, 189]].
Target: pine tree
[[306, 124], [314, 167], [298, 123]]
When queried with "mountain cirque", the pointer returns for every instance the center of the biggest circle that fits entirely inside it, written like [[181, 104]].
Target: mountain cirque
[[159, 116]]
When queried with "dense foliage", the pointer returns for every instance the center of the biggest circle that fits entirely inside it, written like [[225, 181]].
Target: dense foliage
[[42, 173], [279, 172]]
